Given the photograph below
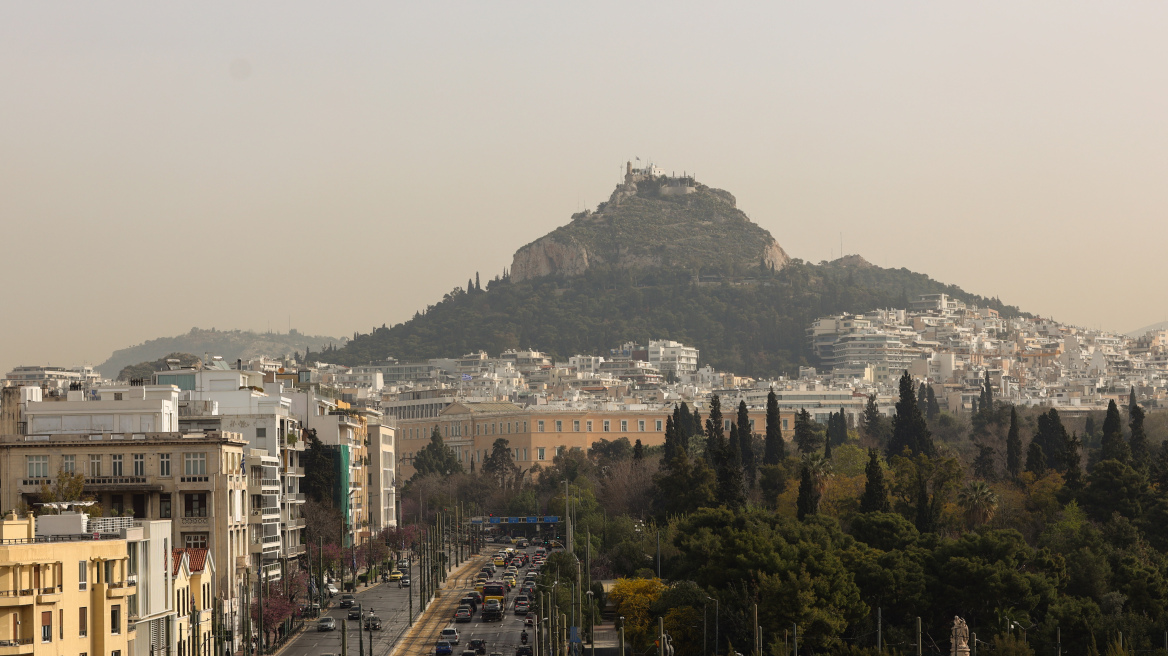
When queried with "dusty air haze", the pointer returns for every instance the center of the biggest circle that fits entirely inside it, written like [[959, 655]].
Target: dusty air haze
[[335, 167]]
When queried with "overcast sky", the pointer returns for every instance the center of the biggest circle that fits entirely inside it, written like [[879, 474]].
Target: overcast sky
[[336, 166]]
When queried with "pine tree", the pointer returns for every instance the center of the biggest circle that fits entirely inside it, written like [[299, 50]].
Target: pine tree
[[875, 497], [1036, 460], [746, 445], [933, 409], [1141, 450], [806, 437], [1113, 446], [776, 449], [1159, 473], [1013, 446], [909, 429]]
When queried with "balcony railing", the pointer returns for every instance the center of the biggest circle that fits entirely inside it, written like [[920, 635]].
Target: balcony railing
[[109, 524], [295, 497]]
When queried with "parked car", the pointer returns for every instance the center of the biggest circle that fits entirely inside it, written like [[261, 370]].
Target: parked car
[[449, 634], [443, 648], [326, 624], [346, 600]]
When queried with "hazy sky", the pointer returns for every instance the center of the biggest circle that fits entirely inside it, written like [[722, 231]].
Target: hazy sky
[[337, 166]]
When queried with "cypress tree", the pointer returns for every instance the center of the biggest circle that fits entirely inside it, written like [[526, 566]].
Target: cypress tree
[[922, 395], [874, 422], [671, 440], [733, 449], [1113, 446], [776, 449], [933, 408], [1073, 475], [926, 520], [746, 444], [696, 425], [1052, 437], [909, 429], [715, 432], [1159, 473], [1036, 460], [807, 503], [976, 408], [1089, 427], [827, 442], [987, 405], [1132, 404], [685, 422], [638, 450], [1141, 450], [875, 497], [1013, 446], [728, 473]]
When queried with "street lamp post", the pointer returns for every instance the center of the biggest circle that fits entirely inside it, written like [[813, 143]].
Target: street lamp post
[[591, 627]]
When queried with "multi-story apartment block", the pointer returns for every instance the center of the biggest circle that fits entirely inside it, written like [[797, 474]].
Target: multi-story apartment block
[[381, 474], [65, 590], [673, 357], [196, 480], [345, 430]]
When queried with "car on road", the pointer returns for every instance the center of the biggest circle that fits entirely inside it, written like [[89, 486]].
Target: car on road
[[470, 600], [478, 597], [469, 652], [326, 624], [478, 645], [443, 648], [395, 575], [522, 606], [346, 600], [331, 590], [405, 582], [493, 611], [372, 623], [404, 563], [449, 634], [523, 651], [355, 612], [463, 614], [528, 588]]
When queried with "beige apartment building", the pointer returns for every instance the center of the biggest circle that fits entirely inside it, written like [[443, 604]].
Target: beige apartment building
[[536, 435], [64, 593], [196, 480]]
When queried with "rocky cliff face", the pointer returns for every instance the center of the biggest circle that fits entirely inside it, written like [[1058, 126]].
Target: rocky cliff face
[[653, 223]]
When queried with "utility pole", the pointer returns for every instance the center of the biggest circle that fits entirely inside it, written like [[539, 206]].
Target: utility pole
[[757, 642], [344, 638], [918, 636], [260, 615], [660, 636], [410, 594], [880, 629]]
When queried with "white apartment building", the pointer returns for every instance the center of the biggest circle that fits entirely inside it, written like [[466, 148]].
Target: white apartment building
[[675, 357]]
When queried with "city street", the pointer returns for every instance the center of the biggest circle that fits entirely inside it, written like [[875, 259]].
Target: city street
[[387, 601]]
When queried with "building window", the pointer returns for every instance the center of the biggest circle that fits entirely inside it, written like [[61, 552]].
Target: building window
[[139, 464], [539, 453], [641, 425], [164, 464], [82, 574], [539, 426], [117, 396], [195, 540], [589, 425], [624, 425], [261, 432], [116, 467], [576, 425], [69, 464], [47, 626], [38, 466], [559, 426], [116, 619], [784, 424], [606, 425], [95, 466], [83, 621], [658, 425], [164, 505], [195, 505], [194, 464]]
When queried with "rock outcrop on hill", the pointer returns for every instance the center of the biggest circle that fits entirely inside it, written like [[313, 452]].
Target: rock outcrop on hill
[[653, 221]]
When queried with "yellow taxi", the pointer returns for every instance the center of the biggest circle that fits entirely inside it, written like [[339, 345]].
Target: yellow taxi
[[395, 575], [479, 585], [499, 562]]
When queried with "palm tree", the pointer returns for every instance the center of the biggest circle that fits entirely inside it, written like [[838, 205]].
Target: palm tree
[[979, 502]]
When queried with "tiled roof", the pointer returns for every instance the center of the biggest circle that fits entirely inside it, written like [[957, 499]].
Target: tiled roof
[[176, 561], [198, 558]]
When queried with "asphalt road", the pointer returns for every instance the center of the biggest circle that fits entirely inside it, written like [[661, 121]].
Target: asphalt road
[[387, 601], [391, 604]]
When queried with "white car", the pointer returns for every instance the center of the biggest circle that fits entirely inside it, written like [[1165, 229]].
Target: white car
[[450, 634], [331, 590]]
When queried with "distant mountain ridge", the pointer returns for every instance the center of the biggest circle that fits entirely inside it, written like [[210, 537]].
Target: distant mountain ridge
[[654, 220], [1163, 325], [231, 344]]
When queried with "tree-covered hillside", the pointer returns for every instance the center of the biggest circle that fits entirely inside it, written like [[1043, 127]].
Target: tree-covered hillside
[[753, 326]]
